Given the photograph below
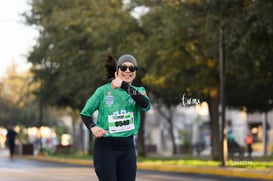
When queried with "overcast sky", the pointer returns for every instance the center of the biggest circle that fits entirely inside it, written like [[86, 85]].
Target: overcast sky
[[16, 39]]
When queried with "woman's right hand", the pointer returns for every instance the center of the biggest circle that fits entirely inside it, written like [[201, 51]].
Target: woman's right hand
[[116, 83], [98, 131]]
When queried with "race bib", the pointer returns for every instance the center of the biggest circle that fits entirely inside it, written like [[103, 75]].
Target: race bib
[[121, 122]]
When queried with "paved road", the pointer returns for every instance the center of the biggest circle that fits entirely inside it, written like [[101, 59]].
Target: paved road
[[27, 170]]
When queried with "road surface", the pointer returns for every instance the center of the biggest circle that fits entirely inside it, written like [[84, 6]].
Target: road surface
[[31, 170]]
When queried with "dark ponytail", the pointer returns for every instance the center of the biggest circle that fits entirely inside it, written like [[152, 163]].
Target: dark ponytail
[[110, 65]]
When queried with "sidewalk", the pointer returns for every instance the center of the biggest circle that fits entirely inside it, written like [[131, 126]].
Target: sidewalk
[[221, 171]]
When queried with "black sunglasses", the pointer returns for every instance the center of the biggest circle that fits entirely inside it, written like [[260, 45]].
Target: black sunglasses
[[132, 68]]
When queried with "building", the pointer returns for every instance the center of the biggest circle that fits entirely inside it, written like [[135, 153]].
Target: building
[[191, 126]]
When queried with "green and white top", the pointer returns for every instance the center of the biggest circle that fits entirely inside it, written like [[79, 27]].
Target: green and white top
[[118, 113]]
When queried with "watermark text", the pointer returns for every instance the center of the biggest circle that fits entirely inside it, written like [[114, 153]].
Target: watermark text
[[189, 101]]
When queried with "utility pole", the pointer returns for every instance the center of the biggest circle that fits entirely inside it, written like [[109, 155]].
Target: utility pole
[[222, 96]]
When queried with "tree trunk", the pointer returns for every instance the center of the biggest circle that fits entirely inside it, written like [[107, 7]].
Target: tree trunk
[[214, 120], [140, 137], [81, 140], [76, 143], [265, 136], [172, 136], [169, 119]]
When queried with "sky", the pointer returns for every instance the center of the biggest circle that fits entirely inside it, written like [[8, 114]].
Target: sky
[[16, 38]]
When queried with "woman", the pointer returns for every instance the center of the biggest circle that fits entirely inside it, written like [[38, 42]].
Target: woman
[[119, 104], [249, 142]]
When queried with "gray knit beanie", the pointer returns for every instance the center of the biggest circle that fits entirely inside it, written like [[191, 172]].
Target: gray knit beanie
[[126, 58]]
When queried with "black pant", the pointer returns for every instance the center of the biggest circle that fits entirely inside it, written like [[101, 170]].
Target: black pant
[[115, 159], [249, 149], [11, 145]]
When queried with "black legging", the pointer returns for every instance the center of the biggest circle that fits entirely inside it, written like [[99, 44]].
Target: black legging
[[115, 159]]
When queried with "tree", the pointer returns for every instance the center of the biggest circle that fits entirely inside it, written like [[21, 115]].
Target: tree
[[183, 55], [17, 104], [184, 36], [75, 37], [250, 46]]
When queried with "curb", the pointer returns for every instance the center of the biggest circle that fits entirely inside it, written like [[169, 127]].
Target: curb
[[226, 171], [229, 172], [59, 160]]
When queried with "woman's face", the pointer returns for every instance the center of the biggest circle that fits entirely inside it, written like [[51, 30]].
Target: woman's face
[[127, 72]]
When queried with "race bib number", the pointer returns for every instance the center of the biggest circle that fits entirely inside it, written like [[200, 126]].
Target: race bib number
[[121, 122]]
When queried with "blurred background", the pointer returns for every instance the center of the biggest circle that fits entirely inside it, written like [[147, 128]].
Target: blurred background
[[207, 67]]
